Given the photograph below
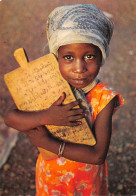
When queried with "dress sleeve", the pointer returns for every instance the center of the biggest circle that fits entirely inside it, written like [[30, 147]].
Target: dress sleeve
[[107, 95]]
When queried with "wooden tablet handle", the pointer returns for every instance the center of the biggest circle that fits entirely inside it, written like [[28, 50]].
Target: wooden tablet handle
[[21, 57]]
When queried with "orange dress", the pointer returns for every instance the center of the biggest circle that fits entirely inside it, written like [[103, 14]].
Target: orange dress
[[64, 177]]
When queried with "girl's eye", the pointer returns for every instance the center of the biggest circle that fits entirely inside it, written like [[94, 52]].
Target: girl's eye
[[68, 57], [89, 57]]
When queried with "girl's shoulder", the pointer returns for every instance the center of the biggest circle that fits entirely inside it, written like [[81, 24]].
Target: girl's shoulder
[[101, 95], [102, 88]]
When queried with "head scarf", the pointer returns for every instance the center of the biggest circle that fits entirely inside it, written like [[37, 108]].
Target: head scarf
[[80, 23]]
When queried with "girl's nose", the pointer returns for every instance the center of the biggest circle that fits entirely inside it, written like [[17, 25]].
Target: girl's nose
[[80, 66]]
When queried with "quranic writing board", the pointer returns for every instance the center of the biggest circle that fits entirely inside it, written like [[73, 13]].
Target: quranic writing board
[[36, 85]]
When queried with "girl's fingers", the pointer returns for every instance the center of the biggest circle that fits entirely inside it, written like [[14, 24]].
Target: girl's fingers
[[75, 118], [76, 123], [60, 99], [75, 111], [69, 106]]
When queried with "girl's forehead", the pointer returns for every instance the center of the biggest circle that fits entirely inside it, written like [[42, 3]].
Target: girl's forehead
[[79, 46]]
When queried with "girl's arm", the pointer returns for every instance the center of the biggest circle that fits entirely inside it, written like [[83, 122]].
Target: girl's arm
[[78, 152], [57, 114]]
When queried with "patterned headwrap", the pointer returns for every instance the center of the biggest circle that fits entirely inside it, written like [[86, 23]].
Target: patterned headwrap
[[81, 23]]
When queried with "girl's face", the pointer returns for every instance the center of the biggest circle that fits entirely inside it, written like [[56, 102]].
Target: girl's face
[[79, 63]]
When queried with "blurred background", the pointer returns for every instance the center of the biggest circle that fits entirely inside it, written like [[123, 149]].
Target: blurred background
[[22, 24]]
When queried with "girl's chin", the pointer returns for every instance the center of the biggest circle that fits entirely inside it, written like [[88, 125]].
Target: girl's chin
[[79, 84]]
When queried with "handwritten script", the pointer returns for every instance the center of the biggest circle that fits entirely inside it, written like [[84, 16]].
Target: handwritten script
[[39, 84]]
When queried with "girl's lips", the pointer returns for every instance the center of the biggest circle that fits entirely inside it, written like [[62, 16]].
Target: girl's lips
[[79, 81]]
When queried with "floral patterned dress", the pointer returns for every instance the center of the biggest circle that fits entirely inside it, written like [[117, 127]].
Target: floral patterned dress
[[64, 177]]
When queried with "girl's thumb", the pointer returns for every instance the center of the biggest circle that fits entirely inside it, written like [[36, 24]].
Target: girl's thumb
[[60, 99]]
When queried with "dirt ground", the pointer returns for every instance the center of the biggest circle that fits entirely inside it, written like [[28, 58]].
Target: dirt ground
[[23, 25]]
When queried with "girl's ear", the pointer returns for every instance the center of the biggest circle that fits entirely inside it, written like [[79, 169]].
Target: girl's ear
[[100, 53], [100, 57], [101, 64]]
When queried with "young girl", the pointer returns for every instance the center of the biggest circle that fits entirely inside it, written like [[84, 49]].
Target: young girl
[[79, 36]]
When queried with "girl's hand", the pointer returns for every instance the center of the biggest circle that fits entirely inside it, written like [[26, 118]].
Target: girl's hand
[[36, 135], [39, 137], [57, 114], [63, 115]]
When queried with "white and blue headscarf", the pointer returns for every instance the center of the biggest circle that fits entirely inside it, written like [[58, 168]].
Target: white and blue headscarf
[[81, 23]]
